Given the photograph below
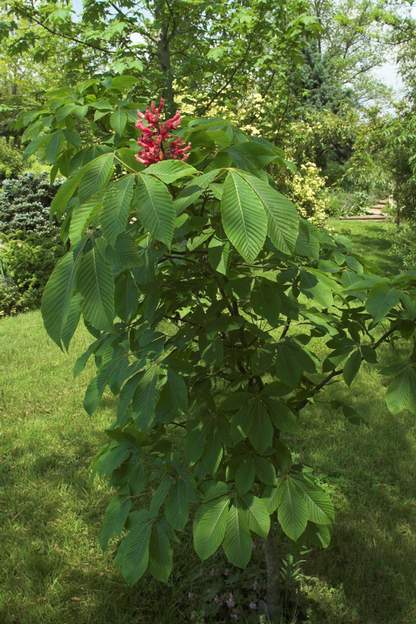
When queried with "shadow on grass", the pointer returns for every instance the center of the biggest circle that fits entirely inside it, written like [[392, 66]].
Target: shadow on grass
[[373, 552]]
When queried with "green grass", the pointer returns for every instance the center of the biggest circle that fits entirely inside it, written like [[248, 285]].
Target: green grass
[[371, 242], [50, 506]]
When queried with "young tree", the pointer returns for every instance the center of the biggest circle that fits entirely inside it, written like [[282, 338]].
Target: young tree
[[205, 294]]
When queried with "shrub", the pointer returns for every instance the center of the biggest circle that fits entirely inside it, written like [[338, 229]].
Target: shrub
[[404, 245], [11, 160], [24, 205], [307, 189], [25, 265]]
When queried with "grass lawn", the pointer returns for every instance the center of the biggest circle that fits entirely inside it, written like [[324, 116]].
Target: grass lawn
[[50, 506], [371, 242]]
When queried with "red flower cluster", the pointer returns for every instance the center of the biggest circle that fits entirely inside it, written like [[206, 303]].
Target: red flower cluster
[[156, 139]]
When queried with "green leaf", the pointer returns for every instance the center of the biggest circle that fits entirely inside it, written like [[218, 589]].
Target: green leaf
[[381, 300], [57, 297], [177, 506], [118, 121], [244, 475], [265, 470], [243, 217], [319, 504], [161, 554], [292, 510], [352, 366], [80, 217], [145, 398], [95, 175], [293, 361], [254, 420], [64, 194], [126, 296], [96, 284], [258, 517], [114, 519], [209, 526], [116, 205], [133, 553], [111, 458], [155, 208], [283, 219], [218, 255], [237, 540], [171, 170], [282, 416], [401, 393]]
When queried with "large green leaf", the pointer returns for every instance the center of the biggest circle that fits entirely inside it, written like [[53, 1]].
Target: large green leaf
[[282, 214], [177, 506], [258, 517], [81, 215], [209, 526], [237, 540], [57, 296], [243, 216], [161, 554], [114, 519], [118, 121], [133, 553], [95, 175], [401, 393], [293, 513], [171, 170], [155, 208], [380, 301], [352, 366], [64, 194], [146, 397], [116, 205], [96, 284]]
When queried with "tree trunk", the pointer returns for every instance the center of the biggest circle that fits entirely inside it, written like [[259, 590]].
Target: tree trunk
[[271, 555]]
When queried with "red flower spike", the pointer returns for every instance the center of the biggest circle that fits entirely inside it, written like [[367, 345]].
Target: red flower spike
[[155, 138]]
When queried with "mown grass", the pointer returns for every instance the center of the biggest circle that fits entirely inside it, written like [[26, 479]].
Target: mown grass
[[371, 243], [52, 570]]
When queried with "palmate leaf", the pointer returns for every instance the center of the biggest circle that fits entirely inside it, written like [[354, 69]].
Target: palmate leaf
[[116, 205], [58, 304], [243, 216], [96, 284], [282, 215], [209, 526], [155, 208]]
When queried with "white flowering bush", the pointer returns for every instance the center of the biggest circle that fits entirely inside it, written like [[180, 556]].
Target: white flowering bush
[[307, 189]]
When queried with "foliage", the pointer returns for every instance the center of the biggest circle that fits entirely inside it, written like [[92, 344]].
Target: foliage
[[400, 155], [324, 138], [404, 245], [25, 265], [11, 160], [24, 205], [307, 189], [191, 278]]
